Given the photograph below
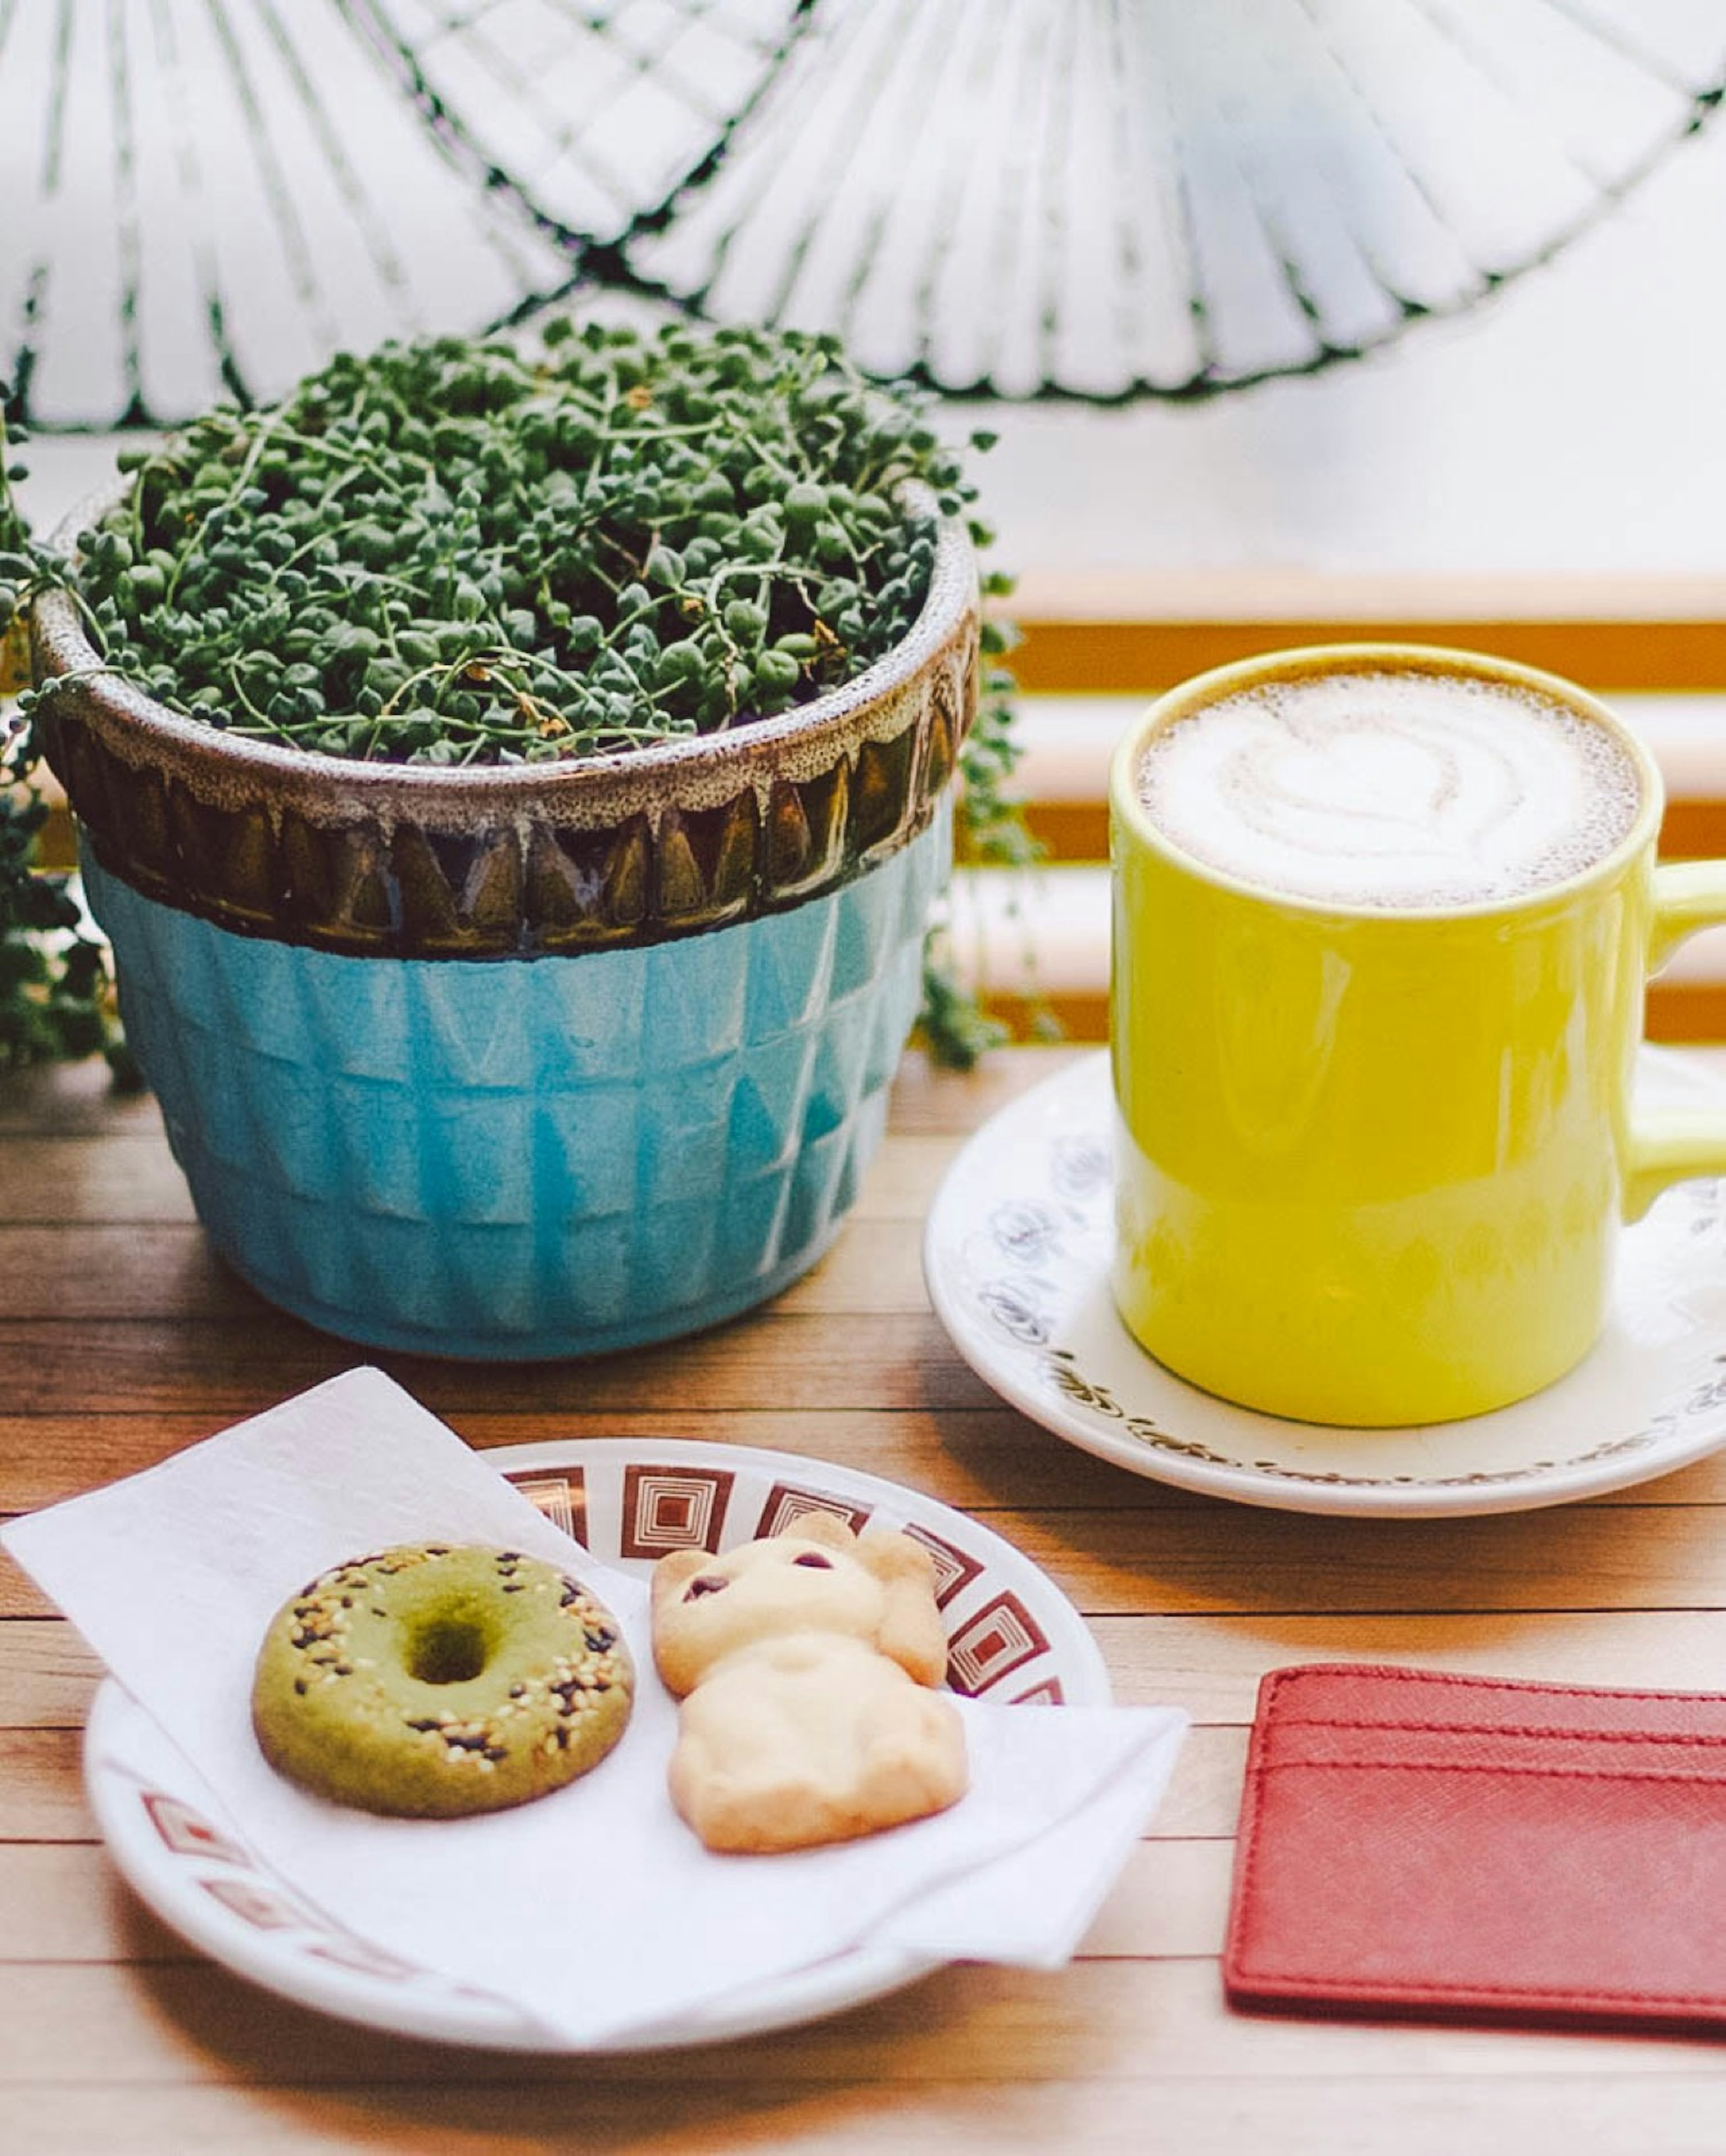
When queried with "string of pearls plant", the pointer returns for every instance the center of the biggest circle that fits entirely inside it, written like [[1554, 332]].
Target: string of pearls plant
[[463, 553]]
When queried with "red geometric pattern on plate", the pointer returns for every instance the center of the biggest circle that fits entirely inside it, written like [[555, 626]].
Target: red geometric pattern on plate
[[669, 1508], [188, 1833], [787, 1505], [350, 1952], [1048, 1693], [563, 1498], [954, 1568], [1001, 1638], [257, 1906]]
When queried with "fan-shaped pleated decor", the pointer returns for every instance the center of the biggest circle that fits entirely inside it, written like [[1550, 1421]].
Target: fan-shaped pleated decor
[[598, 113], [1107, 198], [207, 198], [1101, 198]]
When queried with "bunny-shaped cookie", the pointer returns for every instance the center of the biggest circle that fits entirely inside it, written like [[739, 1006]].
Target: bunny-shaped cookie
[[804, 1663]]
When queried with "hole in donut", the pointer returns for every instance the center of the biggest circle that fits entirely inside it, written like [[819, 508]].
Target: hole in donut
[[814, 1559], [446, 1650]]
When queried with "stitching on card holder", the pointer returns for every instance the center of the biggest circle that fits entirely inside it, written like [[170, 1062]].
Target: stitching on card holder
[[1280, 1681], [1266, 1767], [1554, 1732], [1436, 1988]]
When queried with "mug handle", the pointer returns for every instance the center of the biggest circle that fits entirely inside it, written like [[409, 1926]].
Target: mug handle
[[1669, 1145]]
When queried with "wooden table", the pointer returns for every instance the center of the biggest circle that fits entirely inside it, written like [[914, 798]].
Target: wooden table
[[121, 1339]]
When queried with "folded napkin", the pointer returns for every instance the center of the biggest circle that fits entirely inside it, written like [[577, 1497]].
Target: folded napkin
[[1415, 1842], [594, 1910]]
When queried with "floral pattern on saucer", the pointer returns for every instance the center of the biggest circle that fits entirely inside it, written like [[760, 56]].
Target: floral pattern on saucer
[[1016, 1257]]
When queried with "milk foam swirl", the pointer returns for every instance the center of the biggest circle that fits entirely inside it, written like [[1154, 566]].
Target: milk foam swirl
[[1391, 790]]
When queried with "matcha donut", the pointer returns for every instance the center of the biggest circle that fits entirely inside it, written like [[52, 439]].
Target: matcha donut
[[439, 1679]]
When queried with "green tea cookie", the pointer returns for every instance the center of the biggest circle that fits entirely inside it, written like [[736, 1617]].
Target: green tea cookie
[[435, 1680]]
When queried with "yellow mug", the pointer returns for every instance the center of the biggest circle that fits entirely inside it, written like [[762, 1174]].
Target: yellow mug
[[1371, 1159]]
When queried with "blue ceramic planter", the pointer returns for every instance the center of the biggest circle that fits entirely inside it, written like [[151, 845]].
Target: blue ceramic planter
[[523, 1060], [528, 1158]]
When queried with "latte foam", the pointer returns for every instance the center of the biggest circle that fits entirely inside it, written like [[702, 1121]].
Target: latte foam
[[1392, 789]]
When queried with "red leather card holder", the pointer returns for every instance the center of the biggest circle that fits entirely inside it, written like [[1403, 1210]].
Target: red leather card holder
[[1465, 1848]]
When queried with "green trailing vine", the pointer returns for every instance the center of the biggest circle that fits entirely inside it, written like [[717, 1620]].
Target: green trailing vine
[[990, 832], [55, 994], [468, 554]]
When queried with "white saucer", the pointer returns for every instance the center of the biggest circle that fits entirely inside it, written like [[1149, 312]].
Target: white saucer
[[1013, 1636], [1016, 1257]]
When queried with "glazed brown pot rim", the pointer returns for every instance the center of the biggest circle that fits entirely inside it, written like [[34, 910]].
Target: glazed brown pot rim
[[588, 790]]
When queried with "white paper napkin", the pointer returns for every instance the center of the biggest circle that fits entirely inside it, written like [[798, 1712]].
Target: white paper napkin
[[594, 1910]]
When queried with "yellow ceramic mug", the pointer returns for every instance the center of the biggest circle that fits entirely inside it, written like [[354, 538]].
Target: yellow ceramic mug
[[1372, 1160]]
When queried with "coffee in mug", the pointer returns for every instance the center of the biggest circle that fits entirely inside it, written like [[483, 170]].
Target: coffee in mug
[[1391, 790], [1382, 919]]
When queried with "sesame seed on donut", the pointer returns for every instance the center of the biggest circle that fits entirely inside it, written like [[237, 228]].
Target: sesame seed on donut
[[434, 1679]]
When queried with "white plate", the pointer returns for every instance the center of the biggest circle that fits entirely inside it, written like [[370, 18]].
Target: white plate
[[1013, 1635], [1017, 1256]]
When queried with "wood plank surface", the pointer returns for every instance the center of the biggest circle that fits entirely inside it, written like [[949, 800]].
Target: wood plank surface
[[1418, 2113], [122, 1339]]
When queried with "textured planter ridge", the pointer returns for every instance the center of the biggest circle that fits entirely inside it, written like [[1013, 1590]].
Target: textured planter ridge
[[413, 861]]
